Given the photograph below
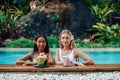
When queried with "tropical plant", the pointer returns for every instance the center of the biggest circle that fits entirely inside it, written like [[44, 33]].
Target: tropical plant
[[100, 3], [14, 13], [7, 24], [116, 5], [101, 14], [23, 5], [105, 33], [2, 17]]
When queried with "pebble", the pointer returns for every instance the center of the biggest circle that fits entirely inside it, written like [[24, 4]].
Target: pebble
[[114, 75]]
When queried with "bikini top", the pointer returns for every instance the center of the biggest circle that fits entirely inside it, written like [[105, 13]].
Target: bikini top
[[70, 55]]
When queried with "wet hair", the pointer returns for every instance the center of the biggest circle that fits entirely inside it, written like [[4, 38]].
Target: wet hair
[[35, 45], [72, 44]]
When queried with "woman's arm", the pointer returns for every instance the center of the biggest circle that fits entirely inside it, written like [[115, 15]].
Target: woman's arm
[[87, 59], [22, 61], [57, 58], [50, 59]]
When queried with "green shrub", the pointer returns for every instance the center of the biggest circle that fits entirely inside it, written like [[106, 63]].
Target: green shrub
[[78, 42], [96, 45], [53, 42], [114, 43], [20, 43]]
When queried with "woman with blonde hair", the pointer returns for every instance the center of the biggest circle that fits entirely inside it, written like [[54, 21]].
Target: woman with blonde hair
[[69, 50]]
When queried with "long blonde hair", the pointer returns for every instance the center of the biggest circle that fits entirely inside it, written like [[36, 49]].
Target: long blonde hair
[[72, 44]]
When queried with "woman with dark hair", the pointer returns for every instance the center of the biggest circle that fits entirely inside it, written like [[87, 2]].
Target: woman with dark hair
[[40, 46]]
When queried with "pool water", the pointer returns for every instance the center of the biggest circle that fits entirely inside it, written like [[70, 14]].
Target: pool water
[[104, 57], [99, 57]]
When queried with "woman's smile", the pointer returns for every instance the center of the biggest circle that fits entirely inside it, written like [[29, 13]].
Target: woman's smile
[[41, 43], [65, 39]]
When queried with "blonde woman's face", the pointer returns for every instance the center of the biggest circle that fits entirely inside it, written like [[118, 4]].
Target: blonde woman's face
[[65, 40]]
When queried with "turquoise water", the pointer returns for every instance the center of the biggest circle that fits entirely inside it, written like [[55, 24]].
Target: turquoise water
[[99, 57]]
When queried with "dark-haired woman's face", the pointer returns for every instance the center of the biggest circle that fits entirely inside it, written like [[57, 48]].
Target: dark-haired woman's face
[[41, 43]]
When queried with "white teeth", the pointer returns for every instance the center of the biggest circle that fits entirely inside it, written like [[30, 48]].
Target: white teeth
[[60, 75]]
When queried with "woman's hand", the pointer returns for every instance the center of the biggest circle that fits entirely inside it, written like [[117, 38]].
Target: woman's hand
[[28, 64], [78, 63]]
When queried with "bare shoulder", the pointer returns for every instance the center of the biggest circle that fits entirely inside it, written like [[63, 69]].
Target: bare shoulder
[[77, 50], [30, 53], [49, 53]]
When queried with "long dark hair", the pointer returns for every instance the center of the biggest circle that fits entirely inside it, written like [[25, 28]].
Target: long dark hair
[[46, 48]]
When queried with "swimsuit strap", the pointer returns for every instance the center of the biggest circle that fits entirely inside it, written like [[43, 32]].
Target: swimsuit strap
[[60, 50], [71, 56]]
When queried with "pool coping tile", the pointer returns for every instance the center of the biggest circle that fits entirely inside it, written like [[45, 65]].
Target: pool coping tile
[[60, 68]]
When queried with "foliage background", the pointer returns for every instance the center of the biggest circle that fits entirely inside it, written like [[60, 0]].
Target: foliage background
[[16, 23]]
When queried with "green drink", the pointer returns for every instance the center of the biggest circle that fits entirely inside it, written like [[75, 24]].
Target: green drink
[[40, 60]]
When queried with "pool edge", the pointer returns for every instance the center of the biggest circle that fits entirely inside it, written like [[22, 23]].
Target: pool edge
[[89, 49], [60, 68]]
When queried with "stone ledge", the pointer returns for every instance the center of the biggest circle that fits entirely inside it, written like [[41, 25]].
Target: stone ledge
[[60, 68]]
